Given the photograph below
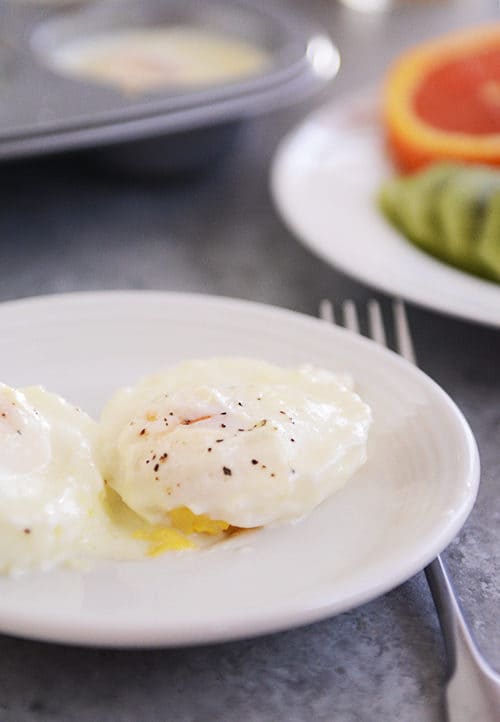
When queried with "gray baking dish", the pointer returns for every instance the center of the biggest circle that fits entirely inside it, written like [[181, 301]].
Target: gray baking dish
[[42, 112]]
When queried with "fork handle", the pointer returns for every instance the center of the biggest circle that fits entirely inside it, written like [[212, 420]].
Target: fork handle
[[450, 615], [473, 691]]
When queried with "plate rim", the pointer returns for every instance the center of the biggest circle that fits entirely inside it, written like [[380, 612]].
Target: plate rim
[[253, 622]]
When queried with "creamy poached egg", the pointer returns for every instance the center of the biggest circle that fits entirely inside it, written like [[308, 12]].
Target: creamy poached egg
[[50, 485], [236, 440]]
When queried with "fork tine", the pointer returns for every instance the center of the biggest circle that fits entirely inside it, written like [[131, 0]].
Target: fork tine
[[350, 316], [376, 322], [402, 329], [326, 311]]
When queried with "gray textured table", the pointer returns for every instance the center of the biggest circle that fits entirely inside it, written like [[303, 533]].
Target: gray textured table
[[68, 226]]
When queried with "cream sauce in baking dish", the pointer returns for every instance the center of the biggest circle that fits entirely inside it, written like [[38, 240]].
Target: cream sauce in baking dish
[[154, 59]]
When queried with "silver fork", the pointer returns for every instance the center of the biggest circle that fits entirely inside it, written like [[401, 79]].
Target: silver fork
[[473, 687]]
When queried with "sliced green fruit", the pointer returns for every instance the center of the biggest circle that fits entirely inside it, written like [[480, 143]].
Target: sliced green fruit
[[452, 211], [462, 209], [423, 192], [488, 249], [410, 203]]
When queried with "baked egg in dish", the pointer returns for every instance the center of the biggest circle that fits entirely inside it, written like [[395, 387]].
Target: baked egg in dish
[[139, 60]]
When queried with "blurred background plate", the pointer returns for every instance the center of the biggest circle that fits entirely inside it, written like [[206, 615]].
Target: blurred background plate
[[324, 181], [44, 111]]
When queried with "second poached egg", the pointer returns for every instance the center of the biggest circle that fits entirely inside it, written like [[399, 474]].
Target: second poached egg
[[237, 440]]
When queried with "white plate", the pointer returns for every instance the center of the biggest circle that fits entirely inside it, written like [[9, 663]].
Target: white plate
[[404, 507], [324, 180]]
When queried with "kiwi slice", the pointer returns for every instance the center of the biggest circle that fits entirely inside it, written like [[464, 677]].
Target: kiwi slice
[[462, 210], [410, 204], [424, 190], [452, 211], [488, 249], [390, 200]]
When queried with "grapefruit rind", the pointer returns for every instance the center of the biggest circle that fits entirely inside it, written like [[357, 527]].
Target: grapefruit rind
[[411, 140]]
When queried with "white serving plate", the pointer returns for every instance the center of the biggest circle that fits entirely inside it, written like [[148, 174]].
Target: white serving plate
[[394, 516], [324, 181]]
